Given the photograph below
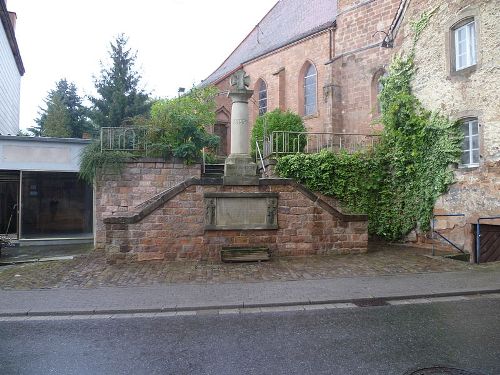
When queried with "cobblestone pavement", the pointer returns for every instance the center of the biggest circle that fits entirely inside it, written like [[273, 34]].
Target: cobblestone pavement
[[91, 270]]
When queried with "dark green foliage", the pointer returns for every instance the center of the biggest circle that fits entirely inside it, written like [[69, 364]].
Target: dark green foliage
[[178, 125], [64, 115], [396, 184], [119, 96], [278, 120], [57, 121], [93, 160], [183, 138], [176, 129], [344, 176]]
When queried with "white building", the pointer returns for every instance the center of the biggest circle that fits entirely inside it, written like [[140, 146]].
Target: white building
[[41, 197], [11, 70]]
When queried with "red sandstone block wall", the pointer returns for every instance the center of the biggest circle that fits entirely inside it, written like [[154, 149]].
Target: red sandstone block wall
[[346, 96], [292, 59], [358, 26], [176, 231], [139, 181]]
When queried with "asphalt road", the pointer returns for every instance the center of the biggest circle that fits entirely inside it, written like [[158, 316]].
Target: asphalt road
[[362, 340]]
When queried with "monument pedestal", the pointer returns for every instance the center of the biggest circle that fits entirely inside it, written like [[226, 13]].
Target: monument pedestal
[[239, 169]]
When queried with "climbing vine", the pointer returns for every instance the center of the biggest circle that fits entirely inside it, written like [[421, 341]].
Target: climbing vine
[[397, 183]]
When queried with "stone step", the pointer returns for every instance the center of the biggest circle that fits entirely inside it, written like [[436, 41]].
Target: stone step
[[245, 254], [213, 170]]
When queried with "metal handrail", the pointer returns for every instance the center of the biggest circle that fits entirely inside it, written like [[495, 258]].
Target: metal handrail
[[287, 142], [124, 138], [260, 156], [439, 234], [203, 160]]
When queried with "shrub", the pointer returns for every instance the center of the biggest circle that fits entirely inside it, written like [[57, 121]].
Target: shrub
[[278, 120], [178, 125]]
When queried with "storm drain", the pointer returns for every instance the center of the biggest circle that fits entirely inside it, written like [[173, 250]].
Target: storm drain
[[369, 302], [439, 370]]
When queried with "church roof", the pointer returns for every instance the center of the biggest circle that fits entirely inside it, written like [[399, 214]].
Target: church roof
[[287, 22]]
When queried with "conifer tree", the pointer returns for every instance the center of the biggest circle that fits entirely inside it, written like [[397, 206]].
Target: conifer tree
[[119, 95], [57, 119], [65, 94]]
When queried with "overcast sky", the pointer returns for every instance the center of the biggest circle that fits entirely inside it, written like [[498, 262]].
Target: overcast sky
[[179, 42]]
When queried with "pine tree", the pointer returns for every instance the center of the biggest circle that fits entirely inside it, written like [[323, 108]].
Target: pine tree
[[66, 94], [57, 119], [119, 95]]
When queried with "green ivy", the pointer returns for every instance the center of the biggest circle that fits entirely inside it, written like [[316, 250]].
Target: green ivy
[[397, 183], [93, 160]]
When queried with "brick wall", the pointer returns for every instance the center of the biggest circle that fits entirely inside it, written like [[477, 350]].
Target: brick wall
[[346, 100], [358, 58], [139, 181], [175, 229], [290, 62], [10, 88]]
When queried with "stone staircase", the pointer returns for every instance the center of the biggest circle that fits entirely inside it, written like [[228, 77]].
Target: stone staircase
[[213, 170]]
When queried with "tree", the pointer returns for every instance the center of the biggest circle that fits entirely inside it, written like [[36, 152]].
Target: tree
[[57, 119], [119, 96], [64, 95]]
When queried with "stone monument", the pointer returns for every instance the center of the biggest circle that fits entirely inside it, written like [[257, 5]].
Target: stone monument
[[239, 168]]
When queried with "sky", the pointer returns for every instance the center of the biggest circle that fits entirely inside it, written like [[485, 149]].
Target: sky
[[178, 42]]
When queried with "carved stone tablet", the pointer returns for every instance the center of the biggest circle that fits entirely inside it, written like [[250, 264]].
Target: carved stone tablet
[[241, 211]]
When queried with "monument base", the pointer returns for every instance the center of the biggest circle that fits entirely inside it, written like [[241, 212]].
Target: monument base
[[240, 170]]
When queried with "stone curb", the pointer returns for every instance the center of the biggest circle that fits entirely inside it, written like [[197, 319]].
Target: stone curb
[[355, 301]]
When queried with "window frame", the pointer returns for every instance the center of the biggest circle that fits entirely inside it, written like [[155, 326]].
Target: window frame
[[376, 89], [310, 108], [466, 19], [469, 40], [468, 143], [262, 109]]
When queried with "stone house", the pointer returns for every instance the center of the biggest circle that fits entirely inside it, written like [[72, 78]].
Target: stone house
[[11, 70], [458, 74], [323, 59]]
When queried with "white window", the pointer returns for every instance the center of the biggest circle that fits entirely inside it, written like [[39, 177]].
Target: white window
[[262, 98], [465, 45], [310, 91], [470, 147]]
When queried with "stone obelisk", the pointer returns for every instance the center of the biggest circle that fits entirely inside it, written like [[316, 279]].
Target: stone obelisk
[[239, 169]]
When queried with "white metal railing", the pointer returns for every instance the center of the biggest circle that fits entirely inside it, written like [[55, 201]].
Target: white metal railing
[[259, 154], [284, 142], [125, 139]]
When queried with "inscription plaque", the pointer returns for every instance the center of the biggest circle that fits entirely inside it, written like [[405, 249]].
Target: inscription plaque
[[234, 211]]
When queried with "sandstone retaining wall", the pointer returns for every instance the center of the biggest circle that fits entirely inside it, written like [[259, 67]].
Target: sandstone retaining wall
[[171, 226], [140, 180]]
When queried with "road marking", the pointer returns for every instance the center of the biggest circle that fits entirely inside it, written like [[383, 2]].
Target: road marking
[[243, 310], [415, 301]]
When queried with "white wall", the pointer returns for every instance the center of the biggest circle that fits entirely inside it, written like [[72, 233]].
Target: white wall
[[41, 154], [10, 87]]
